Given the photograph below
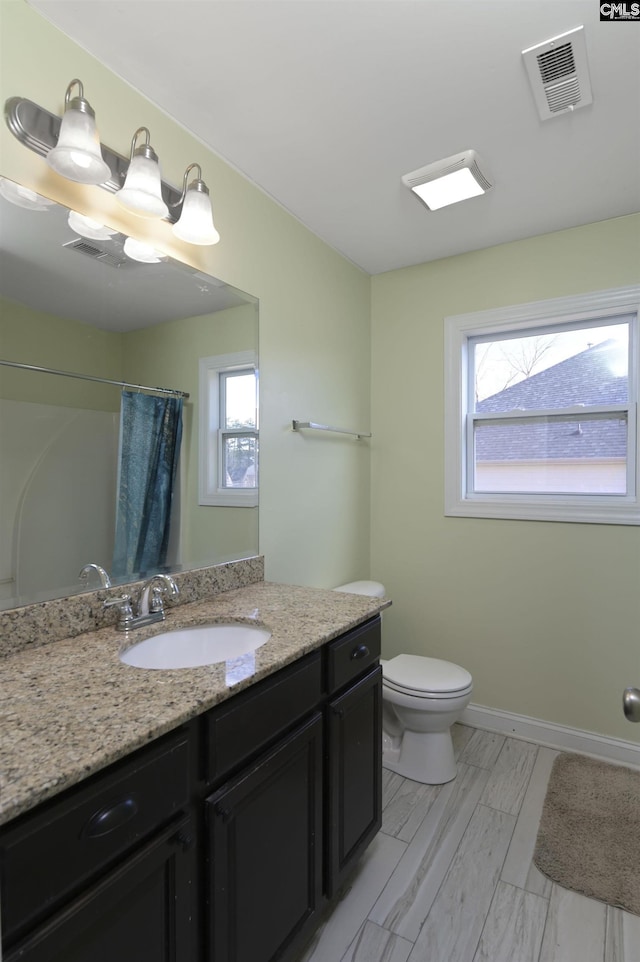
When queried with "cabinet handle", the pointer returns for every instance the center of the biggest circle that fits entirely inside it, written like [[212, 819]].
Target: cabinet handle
[[111, 818], [222, 813], [184, 840], [360, 651]]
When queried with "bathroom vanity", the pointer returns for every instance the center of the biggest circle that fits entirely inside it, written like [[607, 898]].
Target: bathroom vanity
[[223, 838]]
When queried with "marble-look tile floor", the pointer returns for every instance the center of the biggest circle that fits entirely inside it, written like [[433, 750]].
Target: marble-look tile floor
[[450, 876]]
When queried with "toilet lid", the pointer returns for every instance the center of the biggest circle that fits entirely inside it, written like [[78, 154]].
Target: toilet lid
[[417, 673]]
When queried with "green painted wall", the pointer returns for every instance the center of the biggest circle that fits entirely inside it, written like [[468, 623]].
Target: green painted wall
[[546, 616], [32, 337]]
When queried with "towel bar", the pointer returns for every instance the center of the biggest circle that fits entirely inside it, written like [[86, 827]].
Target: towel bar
[[297, 425]]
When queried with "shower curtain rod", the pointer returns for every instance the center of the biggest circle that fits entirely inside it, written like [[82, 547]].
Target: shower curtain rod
[[90, 377]]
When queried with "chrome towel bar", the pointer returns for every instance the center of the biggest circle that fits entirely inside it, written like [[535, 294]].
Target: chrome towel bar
[[298, 425]]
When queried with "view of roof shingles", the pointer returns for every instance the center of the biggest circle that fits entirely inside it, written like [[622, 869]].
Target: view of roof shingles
[[591, 377]]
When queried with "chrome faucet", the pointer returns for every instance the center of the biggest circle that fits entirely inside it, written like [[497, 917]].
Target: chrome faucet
[[155, 606], [83, 574], [150, 606]]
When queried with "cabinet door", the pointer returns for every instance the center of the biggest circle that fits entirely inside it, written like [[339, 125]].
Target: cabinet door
[[355, 775], [265, 853], [143, 910]]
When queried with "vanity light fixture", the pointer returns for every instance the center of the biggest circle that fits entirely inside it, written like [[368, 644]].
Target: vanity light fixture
[[77, 155], [142, 190], [136, 181], [23, 196], [144, 253], [87, 227], [195, 225], [448, 181]]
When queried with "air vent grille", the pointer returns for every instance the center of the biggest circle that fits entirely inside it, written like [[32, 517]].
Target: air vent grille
[[563, 95], [84, 247], [112, 258], [559, 73], [556, 64]]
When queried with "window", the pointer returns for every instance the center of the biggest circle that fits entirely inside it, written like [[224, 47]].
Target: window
[[229, 430], [540, 410]]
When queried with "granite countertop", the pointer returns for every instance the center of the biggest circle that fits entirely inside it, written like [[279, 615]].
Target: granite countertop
[[69, 708]]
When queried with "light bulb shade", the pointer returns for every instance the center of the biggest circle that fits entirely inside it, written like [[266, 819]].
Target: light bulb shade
[[23, 196], [142, 192], [87, 227], [139, 251], [77, 155], [195, 225]]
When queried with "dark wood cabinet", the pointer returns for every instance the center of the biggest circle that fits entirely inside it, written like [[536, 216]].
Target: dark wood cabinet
[[354, 775], [264, 853], [141, 910], [220, 842]]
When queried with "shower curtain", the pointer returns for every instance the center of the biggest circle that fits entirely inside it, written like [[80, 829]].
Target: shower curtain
[[150, 435]]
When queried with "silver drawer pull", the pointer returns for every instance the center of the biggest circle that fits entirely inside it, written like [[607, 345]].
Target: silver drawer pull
[[111, 818], [360, 651]]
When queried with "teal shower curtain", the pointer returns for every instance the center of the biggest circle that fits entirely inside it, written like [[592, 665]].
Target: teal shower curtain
[[150, 436]]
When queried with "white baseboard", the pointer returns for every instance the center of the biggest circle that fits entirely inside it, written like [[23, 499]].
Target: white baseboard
[[565, 739]]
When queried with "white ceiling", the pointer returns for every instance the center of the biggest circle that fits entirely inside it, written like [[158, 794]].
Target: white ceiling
[[325, 104]]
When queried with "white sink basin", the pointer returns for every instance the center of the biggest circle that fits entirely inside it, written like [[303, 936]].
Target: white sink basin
[[194, 647]]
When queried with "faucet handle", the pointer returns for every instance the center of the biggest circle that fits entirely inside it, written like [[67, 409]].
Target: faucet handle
[[151, 594], [156, 604], [123, 603]]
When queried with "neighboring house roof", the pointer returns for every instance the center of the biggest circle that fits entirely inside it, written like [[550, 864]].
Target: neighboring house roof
[[590, 377]]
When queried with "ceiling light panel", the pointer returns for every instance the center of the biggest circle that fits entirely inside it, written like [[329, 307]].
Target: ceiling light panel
[[449, 181]]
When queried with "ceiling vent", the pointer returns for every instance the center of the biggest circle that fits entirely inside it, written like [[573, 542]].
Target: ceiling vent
[[96, 253], [559, 73]]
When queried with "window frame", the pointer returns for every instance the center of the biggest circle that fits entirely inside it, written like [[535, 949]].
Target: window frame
[[210, 491], [519, 319]]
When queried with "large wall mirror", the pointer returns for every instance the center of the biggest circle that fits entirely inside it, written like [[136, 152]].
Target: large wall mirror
[[76, 304]]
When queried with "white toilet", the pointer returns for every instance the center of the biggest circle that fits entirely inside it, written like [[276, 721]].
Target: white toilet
[[422, 698]]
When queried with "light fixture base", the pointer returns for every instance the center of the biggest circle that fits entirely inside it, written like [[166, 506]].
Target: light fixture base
[[460, 176], [38, 129]]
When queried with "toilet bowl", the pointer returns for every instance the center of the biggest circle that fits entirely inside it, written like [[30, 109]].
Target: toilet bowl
[[422, 698]]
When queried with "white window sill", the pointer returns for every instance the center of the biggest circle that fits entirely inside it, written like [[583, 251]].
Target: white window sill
[[522, 508], [231, 499]]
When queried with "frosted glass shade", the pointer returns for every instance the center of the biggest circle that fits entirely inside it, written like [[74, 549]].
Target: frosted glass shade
[[77, 155], [139, 251], [23, 196], [142, 191], [195, 225], [87, 227]]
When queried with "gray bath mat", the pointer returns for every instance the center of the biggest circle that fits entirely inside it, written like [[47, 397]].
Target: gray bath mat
[[589, 835]]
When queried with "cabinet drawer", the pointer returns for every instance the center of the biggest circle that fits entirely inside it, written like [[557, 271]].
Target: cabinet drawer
[[48, 855], [138, 911], [351, 655], [250, 721]]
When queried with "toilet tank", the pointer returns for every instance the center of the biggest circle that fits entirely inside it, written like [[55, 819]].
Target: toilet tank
[[373, 589]]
